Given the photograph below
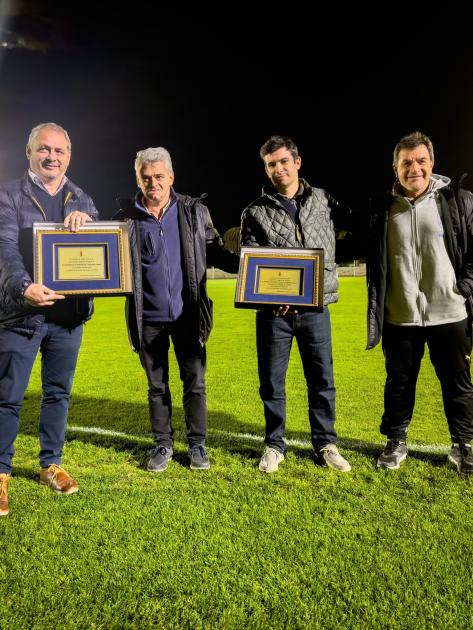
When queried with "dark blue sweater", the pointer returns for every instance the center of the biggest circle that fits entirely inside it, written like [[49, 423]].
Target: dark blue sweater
[[161, 265], [52, 205]]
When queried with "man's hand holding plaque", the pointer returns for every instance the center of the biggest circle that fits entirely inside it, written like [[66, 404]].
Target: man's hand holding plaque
[[75, 220], [284, 310], [38, 295]]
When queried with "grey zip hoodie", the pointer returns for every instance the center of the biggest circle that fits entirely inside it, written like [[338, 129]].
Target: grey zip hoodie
[[422, 288]]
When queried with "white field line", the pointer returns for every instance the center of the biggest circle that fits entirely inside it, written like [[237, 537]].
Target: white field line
[[222, 435]]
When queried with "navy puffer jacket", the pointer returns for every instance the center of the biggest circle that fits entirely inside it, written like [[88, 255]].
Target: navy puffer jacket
[[18, 211]]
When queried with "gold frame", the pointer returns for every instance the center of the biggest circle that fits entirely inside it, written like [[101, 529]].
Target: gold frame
[[122, 268], [312, 260]]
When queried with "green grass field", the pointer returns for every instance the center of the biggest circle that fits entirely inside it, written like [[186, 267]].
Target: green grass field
[[233, 548]]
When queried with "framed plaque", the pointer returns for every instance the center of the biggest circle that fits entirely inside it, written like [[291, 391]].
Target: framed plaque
[[93, 261], [279, 276]]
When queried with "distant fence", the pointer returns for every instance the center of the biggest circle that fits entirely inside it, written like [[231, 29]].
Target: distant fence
[[354, 269], [215, 274]]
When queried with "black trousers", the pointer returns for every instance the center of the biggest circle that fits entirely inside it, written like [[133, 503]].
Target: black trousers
[[450, 349], [191, 358]]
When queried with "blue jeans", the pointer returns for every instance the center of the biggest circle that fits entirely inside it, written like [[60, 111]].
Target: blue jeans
[[59, 350], [273, 341]]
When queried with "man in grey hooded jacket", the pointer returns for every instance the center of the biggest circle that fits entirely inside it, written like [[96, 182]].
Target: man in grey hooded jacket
[[420, 286]]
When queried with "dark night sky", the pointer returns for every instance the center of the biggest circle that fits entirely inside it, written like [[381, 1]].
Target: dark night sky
[[344, 90]]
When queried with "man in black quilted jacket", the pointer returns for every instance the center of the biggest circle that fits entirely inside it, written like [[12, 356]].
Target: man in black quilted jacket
[[290, 213], [32, 316]]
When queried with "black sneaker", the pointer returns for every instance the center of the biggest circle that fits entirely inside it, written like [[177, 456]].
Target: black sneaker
[[461, 456], [392, 456], [199, 458], [160, 456]]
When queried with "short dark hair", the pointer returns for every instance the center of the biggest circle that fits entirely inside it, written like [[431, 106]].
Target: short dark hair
[[279, 142], [411, 141]]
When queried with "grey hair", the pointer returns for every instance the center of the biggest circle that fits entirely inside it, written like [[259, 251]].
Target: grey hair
[[50, 125], [152, 155], [412, 141]]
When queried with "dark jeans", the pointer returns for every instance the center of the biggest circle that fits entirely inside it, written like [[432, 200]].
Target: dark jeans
[[450, 350], [273, 340], [191, 359], [59, 350]]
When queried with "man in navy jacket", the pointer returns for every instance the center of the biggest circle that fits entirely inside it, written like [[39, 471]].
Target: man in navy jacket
[[172, 239], [32, 316]]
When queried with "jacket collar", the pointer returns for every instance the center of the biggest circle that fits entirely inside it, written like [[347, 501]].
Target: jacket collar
[[26, 186], [303, 191]]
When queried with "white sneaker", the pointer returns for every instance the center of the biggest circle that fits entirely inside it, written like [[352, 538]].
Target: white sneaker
[[270, 460], [330, 455]]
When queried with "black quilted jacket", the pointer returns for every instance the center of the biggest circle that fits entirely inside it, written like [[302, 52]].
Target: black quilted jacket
[[265, 223]]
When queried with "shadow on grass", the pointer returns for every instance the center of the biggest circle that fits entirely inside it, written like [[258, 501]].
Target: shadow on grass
[[126, 428], [32, 474]]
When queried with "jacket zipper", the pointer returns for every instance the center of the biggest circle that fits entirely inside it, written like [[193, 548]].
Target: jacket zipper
[[168, 273], [68, 196], [297, 230], [417, 261], [38, 205]]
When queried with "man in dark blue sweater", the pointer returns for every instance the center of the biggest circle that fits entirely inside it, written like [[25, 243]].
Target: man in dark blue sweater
[[172, 240], [32, 316]]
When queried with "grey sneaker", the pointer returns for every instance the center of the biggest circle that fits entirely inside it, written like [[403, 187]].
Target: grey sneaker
[[461, 456], [159, 460], [199, 458], [270, 460], [394, 453], [329, 455]]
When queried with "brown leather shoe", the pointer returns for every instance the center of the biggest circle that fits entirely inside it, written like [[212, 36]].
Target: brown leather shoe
[[58, 480], [4, 481]]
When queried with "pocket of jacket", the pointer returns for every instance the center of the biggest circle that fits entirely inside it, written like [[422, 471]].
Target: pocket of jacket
[[330, 277], [206, 317]]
